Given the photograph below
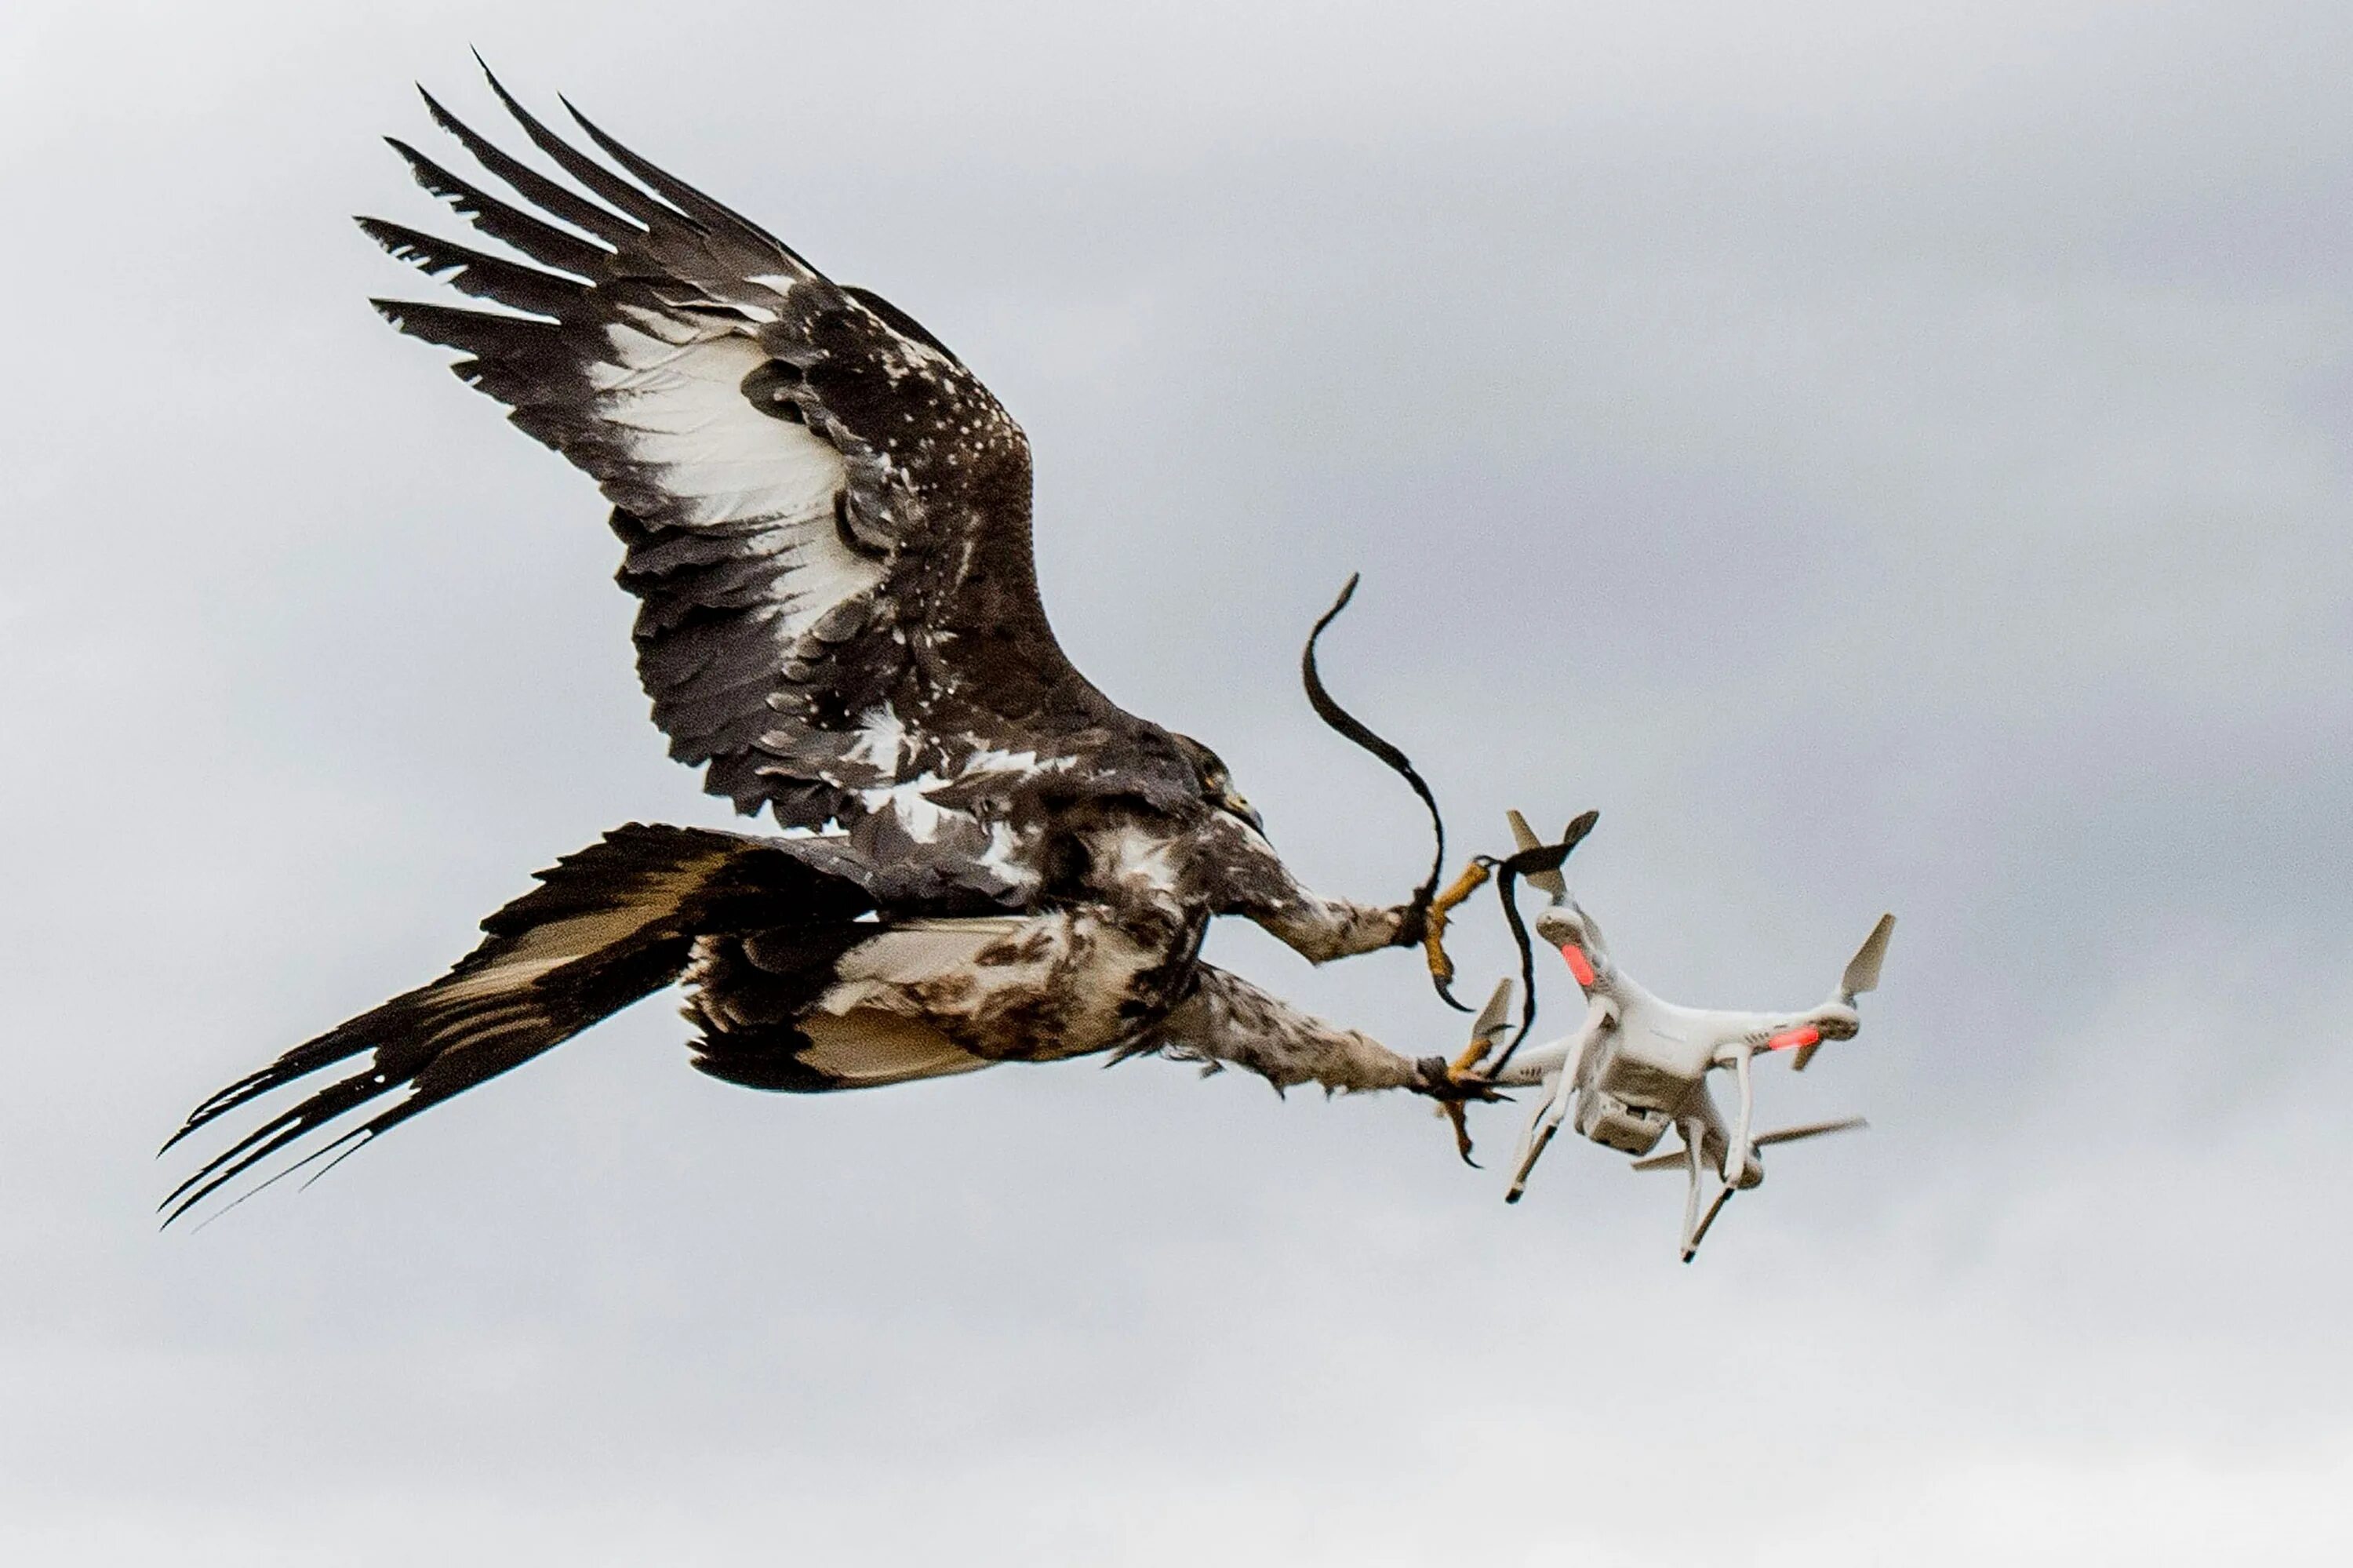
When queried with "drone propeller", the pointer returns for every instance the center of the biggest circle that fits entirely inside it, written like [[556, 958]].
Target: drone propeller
[[1763, 1140], [1862, 975], [1487, 1031], [1812, 1129], [1539, 863], [1556, 885], [1551, 884], [1687, 1158], [1863, 969]]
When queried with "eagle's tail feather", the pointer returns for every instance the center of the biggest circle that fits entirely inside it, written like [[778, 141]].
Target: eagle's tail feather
[[604, 928]]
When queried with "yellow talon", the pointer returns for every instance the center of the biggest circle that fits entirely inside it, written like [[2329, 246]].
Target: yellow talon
[[1433, 933], [1494, 1023]]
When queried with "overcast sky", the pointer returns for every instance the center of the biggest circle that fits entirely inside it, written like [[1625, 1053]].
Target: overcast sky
[[1882, 456]]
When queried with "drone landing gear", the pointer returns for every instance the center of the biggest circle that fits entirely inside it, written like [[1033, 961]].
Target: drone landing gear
[[1544, 1124], [1691, 1241], [1693, 1159], [1694, 1136]]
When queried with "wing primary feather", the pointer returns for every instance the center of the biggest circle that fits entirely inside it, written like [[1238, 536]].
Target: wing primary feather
[[600, 180], [709, 210], [640, 380], [472, 332], [472, 272], [323, 1106], [542, 242], [533, 186]]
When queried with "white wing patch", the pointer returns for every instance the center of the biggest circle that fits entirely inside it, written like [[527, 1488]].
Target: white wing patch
[[684, 404], [883, 743], [678, 405]]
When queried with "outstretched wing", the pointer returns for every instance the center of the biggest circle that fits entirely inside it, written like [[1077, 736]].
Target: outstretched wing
[[827, 516]]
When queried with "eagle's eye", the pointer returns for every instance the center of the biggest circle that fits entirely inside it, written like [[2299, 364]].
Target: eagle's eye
[[1217, 783]]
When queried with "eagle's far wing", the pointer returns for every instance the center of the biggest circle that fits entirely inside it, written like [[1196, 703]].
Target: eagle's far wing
[[827, 516]]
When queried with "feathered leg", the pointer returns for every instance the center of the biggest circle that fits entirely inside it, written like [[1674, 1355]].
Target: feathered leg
[[1228, 1021]]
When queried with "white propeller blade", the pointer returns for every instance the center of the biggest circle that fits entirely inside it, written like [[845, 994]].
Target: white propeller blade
[[1810, 1130], [1863, 969], [1550, 883], [1862, 975], [1763, 1140], [1494, 1020], [1487, 1031]]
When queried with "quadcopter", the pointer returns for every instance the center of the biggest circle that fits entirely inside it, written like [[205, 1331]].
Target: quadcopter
[[1639, 1064]]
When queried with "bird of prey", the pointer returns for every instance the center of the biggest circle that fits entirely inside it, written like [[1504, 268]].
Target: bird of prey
[[824, 518]]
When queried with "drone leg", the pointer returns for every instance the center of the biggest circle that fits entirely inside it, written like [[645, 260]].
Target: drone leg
[[1542, 1125], [1723, 1196], [1735, 1148], [1561, 1083], [1692, 1139]]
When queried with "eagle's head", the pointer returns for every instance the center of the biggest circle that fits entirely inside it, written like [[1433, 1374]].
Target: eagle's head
[[1217, 783]]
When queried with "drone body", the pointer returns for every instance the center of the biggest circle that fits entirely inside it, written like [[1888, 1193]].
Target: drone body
[[1639, 1064]]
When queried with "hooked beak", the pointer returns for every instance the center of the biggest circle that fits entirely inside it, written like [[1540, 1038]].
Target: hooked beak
[[1231, 803]]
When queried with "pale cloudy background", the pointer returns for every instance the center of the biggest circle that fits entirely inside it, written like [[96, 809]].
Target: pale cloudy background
[[1881, 456]]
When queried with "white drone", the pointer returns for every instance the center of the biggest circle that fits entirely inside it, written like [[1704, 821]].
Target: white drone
[[1639, 1064]]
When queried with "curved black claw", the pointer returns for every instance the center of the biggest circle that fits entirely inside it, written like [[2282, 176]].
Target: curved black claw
[[1453, 1111]]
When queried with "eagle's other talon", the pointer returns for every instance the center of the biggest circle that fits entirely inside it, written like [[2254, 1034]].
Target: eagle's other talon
[[1451, 1082], [1453, 1085]]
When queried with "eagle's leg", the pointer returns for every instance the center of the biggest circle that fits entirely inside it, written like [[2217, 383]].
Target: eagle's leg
[[1321, 929], [1228, 1021], [1234, 870]]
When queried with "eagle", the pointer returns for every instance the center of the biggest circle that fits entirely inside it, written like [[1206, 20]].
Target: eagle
[[824, 518]]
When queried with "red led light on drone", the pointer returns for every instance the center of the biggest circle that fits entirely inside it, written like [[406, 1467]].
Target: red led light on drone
[[1577, 964], [1790, 1039]]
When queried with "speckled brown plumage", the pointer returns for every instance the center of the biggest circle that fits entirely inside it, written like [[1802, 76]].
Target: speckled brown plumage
[[824, 518]]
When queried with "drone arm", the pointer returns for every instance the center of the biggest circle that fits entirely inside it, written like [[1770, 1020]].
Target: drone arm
[[1535, 1065], [1562, 1056], [1692, 1138]]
